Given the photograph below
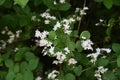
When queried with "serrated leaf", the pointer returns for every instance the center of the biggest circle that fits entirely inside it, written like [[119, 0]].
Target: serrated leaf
[[69, 76], [108, 3], [85, 34], [116, 47], [28, 75], [24, 66], [2, 2], [22, 3]]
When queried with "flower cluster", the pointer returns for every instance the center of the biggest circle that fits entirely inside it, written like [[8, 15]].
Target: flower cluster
[[38, 78], [53, 75], [100, 71], [95, 55], [12, 37], [86, 44], [72, 61], [47, 16]]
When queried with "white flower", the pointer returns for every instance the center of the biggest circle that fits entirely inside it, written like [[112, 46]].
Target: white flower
[[43, 42], [47, 21], [38, 78], [87, 44], [85, 8], [77, 10], [101, 20], [33, 18], [106, 49], [51, 50], [72, 61], [57, 25], [99, 72], [67, 50], [62, 1], [37, 33], [53, 74]]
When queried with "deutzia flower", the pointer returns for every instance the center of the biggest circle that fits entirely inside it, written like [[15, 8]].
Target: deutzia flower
[[38, 78], [62, 1], [101, 70], [87, 44], [72, 61], [53, 74], [57, 25], [47, 21]]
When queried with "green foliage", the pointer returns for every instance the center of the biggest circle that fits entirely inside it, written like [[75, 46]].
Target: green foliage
[[22, 3], [21, 56]]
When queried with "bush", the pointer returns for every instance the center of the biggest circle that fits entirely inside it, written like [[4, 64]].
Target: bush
[[59, 40]]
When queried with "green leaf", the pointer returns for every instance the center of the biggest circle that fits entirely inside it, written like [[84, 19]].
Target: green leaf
[[116, 47], [20, 54], [16, 68], [37, 2], [9, 63], [28, 75], [85, 34], [24, 66], [52, 35], [64, 6], [33, 64], [69, 76], [109, 75], [78, 46], [118, 61], [22, 3], [78, 70], [19, 76], [29, 56], [10, 76], [71, 45], [102, 62], [108, 3], [2, 2]]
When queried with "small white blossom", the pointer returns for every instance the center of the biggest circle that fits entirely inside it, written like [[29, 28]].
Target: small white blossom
[[77, 10], [57, 25], [62, 1], [101, 20], [87, 44], [67, 50], [47, 21], [38, 78], [72, 61], [98, 73], [53, 74], [33, 18]]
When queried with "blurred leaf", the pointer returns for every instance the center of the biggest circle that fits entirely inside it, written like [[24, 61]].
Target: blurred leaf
[[1, 2], [29, 56], [71, 45], [37, 2], [28, 75], [116, 47], [33, 63], [78, 46], [52, 35], [9, 63], [78, 70], [10, 76], [109, 75], [118, 61], [22, 3], [116, 2], [16, 68], [69, 76], [85, 34], [24, 66], [19, 76], [108, 3], [102, 62]]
